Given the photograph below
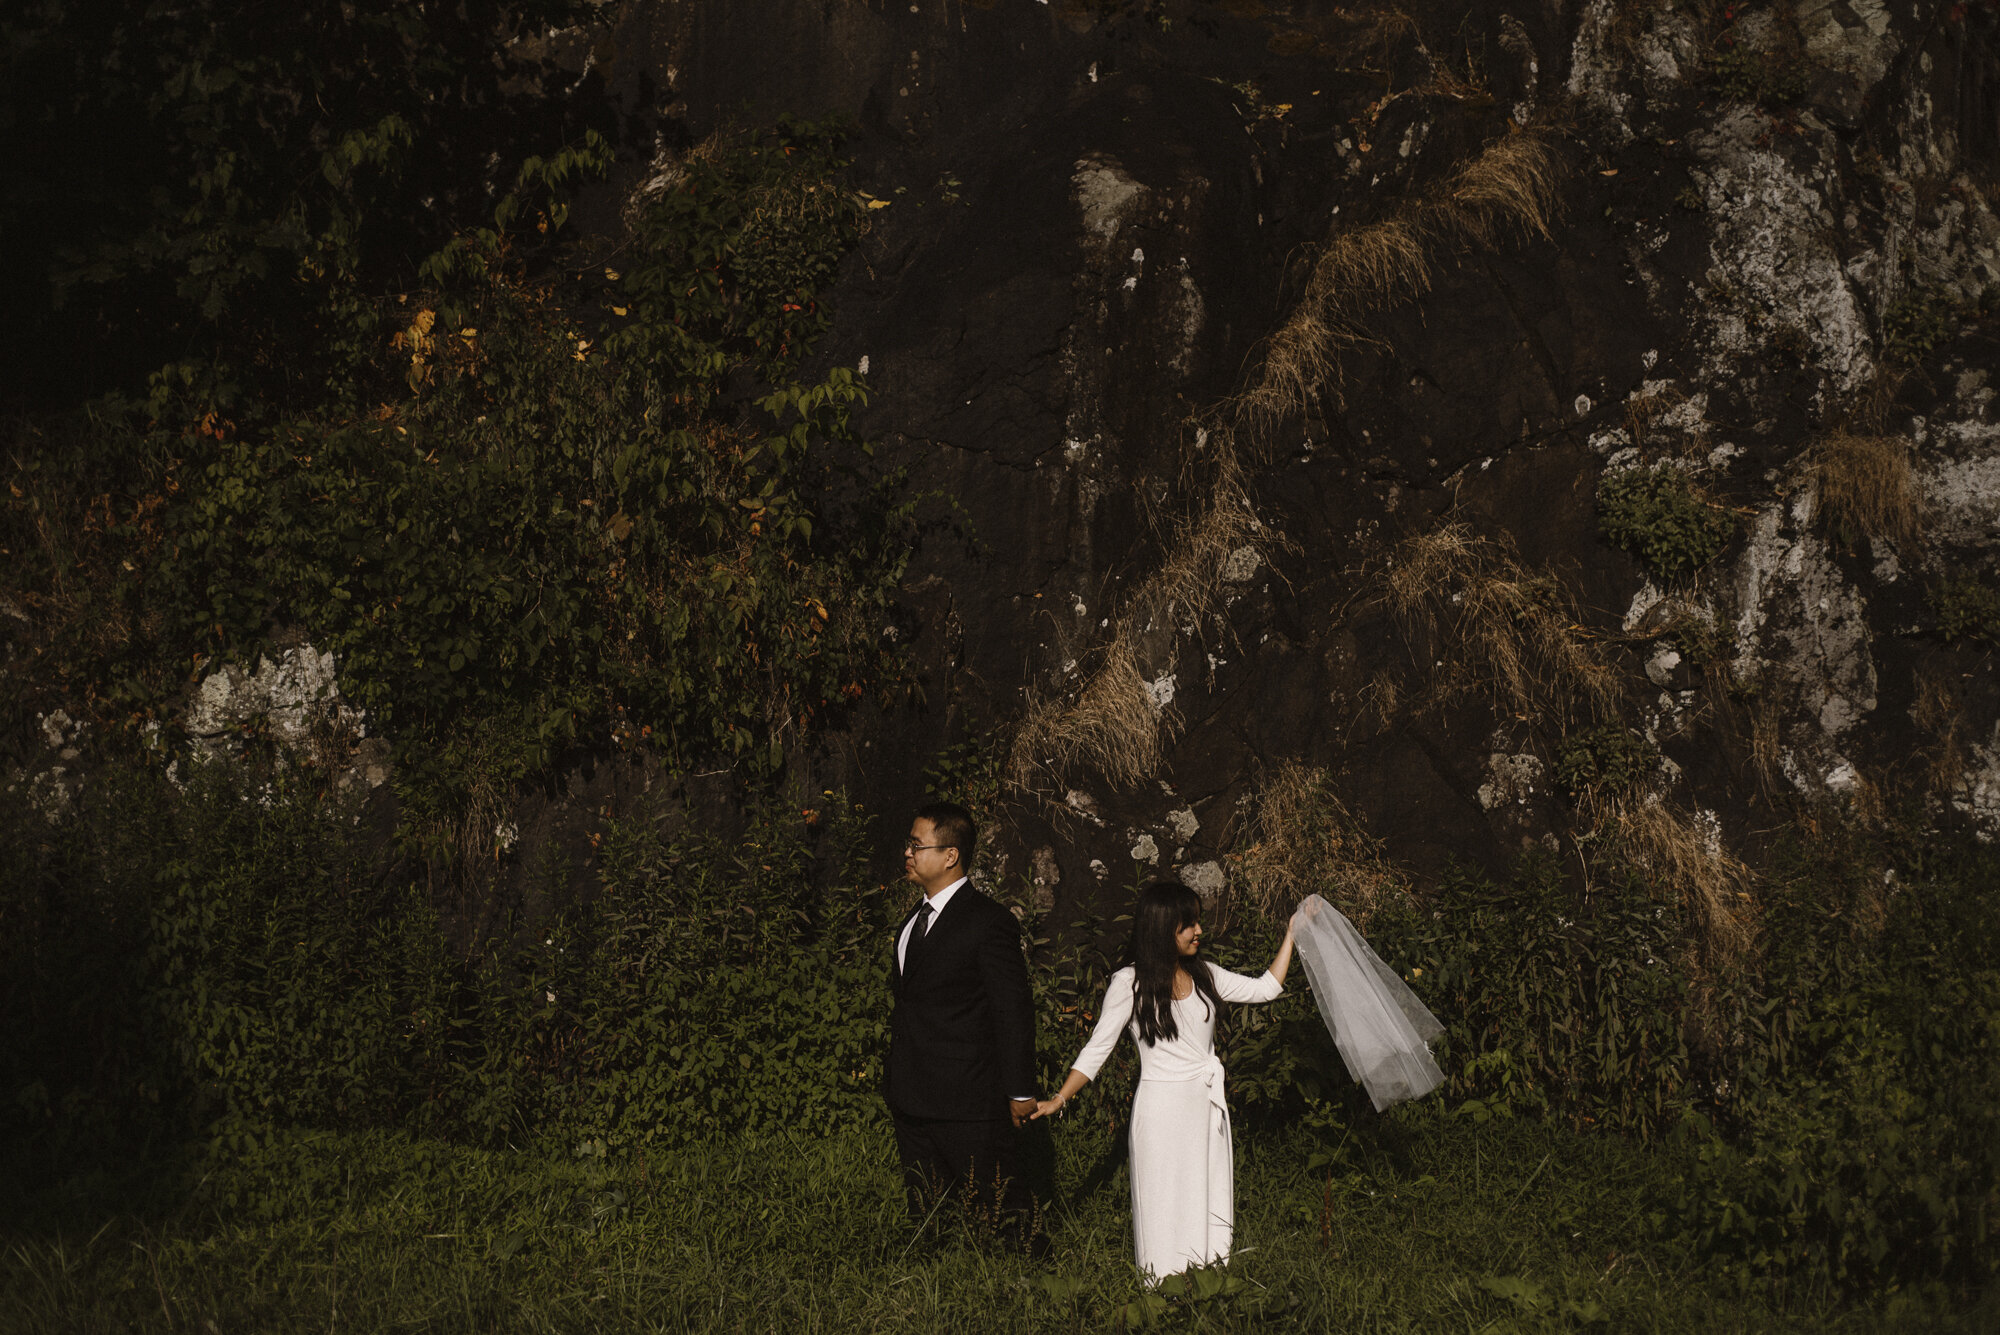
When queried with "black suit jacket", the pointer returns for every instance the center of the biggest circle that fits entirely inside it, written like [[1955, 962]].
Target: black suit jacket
[[962, 1036]]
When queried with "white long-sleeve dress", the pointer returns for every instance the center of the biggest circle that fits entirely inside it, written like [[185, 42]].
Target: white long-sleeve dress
[[1183, 1168]]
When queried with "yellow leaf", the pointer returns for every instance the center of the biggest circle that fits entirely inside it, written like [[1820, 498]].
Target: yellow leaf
[[612, 274], [878, 203], [617, 310]]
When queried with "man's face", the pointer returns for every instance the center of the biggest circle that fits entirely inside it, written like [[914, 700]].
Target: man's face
[[925, 864]]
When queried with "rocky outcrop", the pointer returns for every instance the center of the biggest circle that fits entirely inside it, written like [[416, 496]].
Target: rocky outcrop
[[1778, 224], [1186, 319]]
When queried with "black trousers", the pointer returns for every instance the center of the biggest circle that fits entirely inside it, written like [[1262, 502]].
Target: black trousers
[[973, 1162]]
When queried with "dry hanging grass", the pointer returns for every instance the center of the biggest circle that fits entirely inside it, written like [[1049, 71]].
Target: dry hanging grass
[[1868, 488], [1304, 839], [1114, 726], [1511, 189], [1495, 628], [1938, 712], [1664, 845]]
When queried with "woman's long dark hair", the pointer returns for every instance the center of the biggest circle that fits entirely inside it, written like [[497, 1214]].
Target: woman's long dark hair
[[1164, 908]]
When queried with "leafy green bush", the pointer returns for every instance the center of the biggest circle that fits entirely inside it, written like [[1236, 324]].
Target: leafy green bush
[[728, 982], [1659, 516], [1917, 324], [524, 543], [228, 959], [1611, 757], [1552, 1007], [1772, 78], [1862, 1138], [238, 966], [1967, 607], [208, 184]]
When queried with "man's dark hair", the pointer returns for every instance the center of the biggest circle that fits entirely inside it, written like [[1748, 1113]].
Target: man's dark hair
[[951, 827]]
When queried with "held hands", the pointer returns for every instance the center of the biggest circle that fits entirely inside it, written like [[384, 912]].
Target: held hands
[[1047, 1107], [1024, 1111]]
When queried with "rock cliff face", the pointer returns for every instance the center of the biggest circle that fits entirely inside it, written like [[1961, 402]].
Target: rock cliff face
[[1197, 323], [1262, 366]]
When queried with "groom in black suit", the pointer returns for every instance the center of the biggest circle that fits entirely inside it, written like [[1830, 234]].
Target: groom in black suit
[[961, 1071]]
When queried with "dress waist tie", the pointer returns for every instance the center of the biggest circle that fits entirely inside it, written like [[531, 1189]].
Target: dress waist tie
[[1212, 1076], [1209, 1075]]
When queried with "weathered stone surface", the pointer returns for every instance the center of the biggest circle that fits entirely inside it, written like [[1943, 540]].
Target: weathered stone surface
[[1100, 214]]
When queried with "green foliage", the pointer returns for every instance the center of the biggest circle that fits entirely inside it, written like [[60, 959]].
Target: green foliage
[[1770, 78], [730, 261], [1967, 607], [310, 1230], [1704, 639], [526, 544], [207, 184], [729, 983], [1862, 1137], [1552, 1007], [1607, 758], [1659, 516], [1774, 73], [226, 962], [1918, 324], [235, 967]]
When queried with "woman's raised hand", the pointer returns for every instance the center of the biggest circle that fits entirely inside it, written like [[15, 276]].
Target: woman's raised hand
[[1283, 961]]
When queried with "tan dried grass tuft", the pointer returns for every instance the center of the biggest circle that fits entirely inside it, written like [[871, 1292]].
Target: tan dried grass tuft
[[1937, 711], [1664, 845], [1113, 725], [1376, 32], [1496, 628], [1382, 695], [1303, 839], [1511, 189], [1767, 748], [1868, 488], [1370, 267]]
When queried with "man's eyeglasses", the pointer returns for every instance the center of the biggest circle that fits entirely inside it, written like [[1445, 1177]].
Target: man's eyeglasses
[[919, 848]]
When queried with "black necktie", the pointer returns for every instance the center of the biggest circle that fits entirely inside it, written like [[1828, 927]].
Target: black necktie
[[922, 926]]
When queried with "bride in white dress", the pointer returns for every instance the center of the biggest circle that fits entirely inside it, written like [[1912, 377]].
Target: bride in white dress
[[1183, 1178]]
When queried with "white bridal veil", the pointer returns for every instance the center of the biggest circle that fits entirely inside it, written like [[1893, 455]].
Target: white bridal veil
[[1377, 1022]]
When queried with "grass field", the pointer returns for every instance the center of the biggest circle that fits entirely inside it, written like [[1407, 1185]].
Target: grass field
[[1429, 1224]]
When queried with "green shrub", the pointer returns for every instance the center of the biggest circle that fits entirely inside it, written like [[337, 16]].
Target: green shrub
[[229, 959], [1659, 516], [1611, 757], [1552, 1007], [1916, 325], [1862, 1137], [1770, 78], [252, 173], [1967, 607], [513, 541]]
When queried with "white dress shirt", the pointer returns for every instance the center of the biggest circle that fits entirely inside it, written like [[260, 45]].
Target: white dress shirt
[[937, 903]]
